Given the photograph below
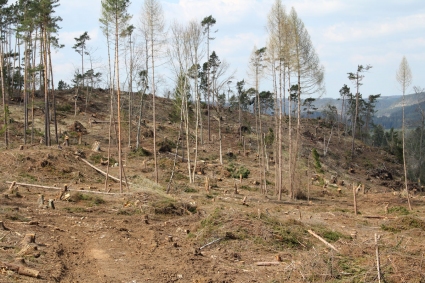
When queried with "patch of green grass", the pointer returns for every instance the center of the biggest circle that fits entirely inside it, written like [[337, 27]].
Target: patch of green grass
[[128, 211], [211, 157], [75, 209], [213, 222], [403, 224], [97, 157], [400, 210], [64, 107], [180, 176], [332, 236], [190, 190], [92, 200], [140, 152], [248, 188], [16, 217], [27, 176], [236, 172], [169, 206], [288, 234], [351, 265]]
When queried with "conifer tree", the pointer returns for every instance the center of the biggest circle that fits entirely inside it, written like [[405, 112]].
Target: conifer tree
[[152, 20], [115, 13]]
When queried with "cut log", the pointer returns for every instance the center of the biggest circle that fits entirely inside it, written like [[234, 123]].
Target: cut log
[[56, 188], [21, 270], [323, 240], [99, 170], [378, 217]]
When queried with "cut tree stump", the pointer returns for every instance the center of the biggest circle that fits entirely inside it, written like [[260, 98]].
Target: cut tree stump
[[51, 204], [63, 192], [10, 190], [96, 146], [30, 249], [2, 227], [40, 201], [28, 239]]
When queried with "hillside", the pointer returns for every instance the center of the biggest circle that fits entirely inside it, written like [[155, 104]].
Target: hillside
[[388, 109], [192, 234]]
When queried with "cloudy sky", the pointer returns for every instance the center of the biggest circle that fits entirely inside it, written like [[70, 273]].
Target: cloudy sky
[[345, 34]]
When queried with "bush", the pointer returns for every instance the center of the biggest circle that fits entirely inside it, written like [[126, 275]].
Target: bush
[[140, 152], [317, 164], [236, 172]]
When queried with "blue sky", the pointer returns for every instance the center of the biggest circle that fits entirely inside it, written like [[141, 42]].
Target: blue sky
[[344, 33]]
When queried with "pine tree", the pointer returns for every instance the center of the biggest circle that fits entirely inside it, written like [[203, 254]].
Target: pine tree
[[115, 13]]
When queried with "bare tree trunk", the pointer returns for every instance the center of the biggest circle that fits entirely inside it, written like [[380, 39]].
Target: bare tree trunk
[[26, 54], [118, 102], [53, 97], [404, 159], [5, 104], [154, 110], [33, 88], [46, 92]]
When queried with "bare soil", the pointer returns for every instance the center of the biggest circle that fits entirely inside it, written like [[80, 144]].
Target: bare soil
[[194, 235]]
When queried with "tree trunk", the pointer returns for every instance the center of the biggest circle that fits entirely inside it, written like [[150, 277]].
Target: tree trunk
[[5, 104]]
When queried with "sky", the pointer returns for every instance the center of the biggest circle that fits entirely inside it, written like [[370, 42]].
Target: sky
[[344, 33]]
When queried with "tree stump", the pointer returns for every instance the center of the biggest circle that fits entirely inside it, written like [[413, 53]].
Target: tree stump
[[96, 146], [29, 250], [2, 227], [10, 190], [40, 201], [63, 192], [51, 204], [28, 239], [207, 184]]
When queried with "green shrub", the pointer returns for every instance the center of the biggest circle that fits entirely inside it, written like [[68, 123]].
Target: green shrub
[[316, 160], [401, 210], [236, 172], [64, 107], [140, 152]]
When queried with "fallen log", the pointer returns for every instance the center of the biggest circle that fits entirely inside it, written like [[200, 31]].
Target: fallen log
[[267, 263], [21, 270], [101, 171], [378, 217], [323, 240], [75, 190]]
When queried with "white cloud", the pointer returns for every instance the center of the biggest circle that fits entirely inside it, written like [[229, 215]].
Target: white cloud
[[346, 32], [317, 7]]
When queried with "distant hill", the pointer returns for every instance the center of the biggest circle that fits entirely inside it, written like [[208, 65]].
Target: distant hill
[[388, 109]]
